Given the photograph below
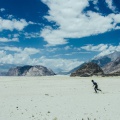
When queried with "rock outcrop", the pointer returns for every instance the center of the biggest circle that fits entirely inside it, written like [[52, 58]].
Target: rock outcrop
[[27, 70], [88, 69]]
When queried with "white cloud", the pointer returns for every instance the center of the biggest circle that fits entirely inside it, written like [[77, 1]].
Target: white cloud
[[63, 64], [103, 49], [51, 50], [16, 35], [110, 5], [95, 1], [2, 53], [23, 56], [116, 18], [67, 47], [109, 50], [53, 37], [73, 23], [20, 55], [15, 39], [30, 51], [100, 47], [8, 48], [9, 40], [14, 59], [6, 24], [33, 23], [2, 9], [31, 35]]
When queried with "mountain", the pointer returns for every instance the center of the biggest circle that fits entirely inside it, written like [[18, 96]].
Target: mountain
[[28, 70], [88, 69], [104, 60], [101, 61], [113, 56], [112, 67]]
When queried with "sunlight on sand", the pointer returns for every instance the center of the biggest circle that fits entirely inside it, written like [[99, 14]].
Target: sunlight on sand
[[59, 98]]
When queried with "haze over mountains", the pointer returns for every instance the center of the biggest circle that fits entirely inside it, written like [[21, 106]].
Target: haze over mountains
[[109, 64]]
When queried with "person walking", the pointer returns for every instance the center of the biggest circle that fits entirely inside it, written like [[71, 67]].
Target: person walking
[[96, 86]]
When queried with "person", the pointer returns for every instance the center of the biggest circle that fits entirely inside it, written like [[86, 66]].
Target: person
[[96, 86]]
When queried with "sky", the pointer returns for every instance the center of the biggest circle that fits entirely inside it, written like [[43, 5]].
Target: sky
[[58, 34]]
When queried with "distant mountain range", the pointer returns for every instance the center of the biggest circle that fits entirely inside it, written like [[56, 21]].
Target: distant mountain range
[[104, 60], [110, 64], [112, 67]]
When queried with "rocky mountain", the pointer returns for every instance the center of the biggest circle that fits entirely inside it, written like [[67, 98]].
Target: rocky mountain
[[101, 61], [104, 60], [110, 64], [88, 69], [112, 67], [28, 70], [113, 56]]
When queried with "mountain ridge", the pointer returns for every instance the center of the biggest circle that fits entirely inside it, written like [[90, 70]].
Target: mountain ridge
[[29, 70], [87, 70]]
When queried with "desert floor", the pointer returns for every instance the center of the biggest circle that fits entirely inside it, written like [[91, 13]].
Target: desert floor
[[59, 98]]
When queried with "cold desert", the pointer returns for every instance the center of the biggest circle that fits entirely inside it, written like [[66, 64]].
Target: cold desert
[[59, 98]]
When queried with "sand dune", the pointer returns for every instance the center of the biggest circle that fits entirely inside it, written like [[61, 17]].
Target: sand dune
[[59, 98]]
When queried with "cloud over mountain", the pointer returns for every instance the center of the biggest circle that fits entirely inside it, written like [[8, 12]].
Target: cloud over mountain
[[104, 49]]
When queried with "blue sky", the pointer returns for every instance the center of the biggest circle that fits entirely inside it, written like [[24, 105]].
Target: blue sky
[[58, 34]]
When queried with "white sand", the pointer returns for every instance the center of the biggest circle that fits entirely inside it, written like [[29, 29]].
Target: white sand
[[59, 98]]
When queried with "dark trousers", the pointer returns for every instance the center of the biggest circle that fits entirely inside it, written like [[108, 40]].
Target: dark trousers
[[96, 88]]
